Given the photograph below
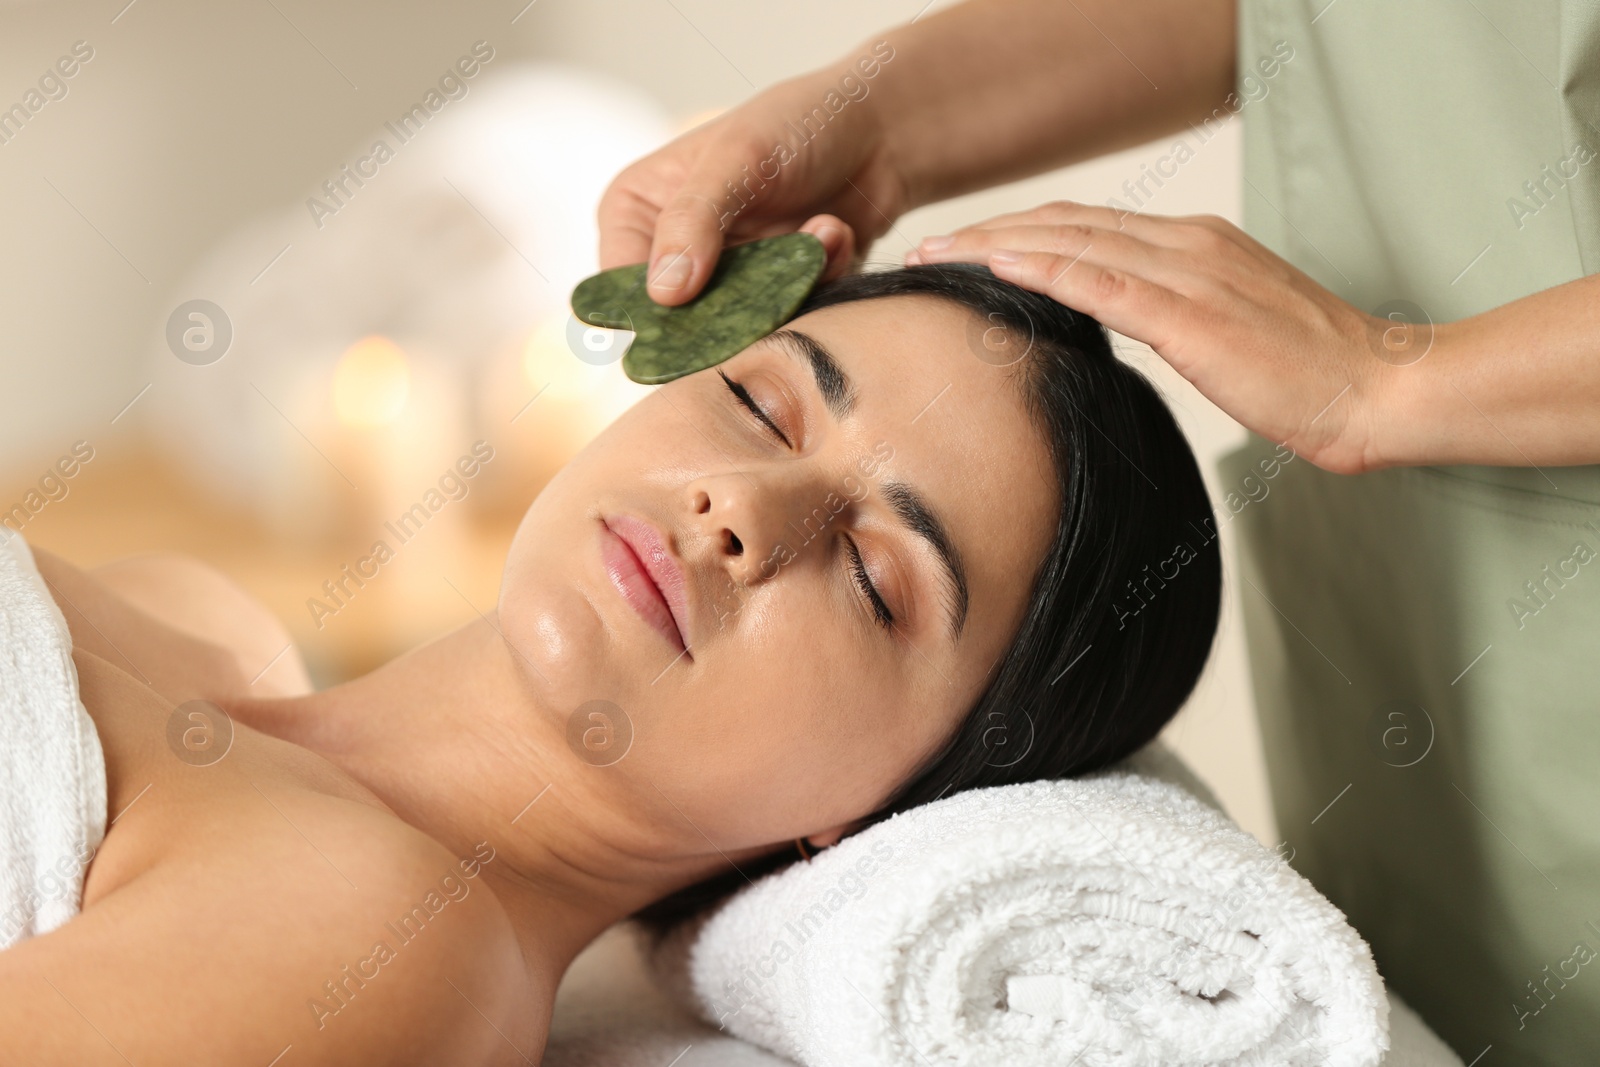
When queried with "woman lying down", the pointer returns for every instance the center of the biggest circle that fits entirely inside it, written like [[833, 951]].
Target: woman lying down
[[810, 587]]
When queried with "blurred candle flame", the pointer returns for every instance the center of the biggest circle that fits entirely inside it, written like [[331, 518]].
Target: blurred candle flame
[[371, 383]]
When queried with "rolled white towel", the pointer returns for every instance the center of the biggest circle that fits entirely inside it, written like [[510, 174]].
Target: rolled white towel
[[1114, 919], [52, 768]]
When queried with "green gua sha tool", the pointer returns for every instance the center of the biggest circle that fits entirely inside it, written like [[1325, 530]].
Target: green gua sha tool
[[754, 289]]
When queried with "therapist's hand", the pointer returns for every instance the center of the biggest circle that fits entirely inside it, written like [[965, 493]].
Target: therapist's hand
[[973, 95], [1262, 340], [727, 181]]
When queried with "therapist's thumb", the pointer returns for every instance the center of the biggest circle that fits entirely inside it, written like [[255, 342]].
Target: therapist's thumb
[[686, 244]]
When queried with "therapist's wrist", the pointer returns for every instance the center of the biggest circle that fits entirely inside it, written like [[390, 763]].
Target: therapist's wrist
[[1417, 417], [888, 114]]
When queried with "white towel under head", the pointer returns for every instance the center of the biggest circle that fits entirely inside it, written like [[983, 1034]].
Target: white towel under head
[[52, 768], [1107, 921]]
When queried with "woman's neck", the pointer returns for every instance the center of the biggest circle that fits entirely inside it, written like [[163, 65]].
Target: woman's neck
[[454, 739]]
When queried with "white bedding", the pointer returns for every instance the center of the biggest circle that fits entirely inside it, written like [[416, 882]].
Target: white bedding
[[611, 1013]]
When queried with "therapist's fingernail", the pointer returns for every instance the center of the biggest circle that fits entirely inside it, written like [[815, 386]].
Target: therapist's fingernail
[[933, 244], [671, 270], [1005, 257]]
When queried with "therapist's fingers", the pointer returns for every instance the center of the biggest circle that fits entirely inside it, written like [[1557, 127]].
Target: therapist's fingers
[[687, 235], [690, 181], [838, 239], [1168, 231], [1123, 301], [633, 202], [687, 239], [1107, 248], [627, 225], [1208, 235]]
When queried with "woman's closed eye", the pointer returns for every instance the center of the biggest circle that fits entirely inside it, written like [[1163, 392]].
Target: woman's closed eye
[[880, 611], [744, 398], [858, 569]]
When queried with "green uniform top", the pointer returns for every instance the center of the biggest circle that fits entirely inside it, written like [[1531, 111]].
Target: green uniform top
[[1425, 642]]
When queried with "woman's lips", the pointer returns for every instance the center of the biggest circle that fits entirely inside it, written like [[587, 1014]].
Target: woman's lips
[[644, 572]]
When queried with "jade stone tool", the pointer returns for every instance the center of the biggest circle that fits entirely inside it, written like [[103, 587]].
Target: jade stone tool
[[754, 289]]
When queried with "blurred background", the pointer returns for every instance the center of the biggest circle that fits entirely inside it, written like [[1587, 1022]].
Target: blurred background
[[276, 340]]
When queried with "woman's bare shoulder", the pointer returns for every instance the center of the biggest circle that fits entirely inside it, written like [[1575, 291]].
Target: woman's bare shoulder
[[196, 599], [296, 920], [176, 623], [251, 904]]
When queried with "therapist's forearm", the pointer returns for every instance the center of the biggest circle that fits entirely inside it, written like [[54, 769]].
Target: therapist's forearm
[[1515, 386], [991, 91]]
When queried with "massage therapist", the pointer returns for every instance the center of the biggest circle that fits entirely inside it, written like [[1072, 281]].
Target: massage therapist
[[1413, 313]]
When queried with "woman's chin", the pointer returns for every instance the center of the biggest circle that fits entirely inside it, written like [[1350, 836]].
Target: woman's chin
[[555, 639]]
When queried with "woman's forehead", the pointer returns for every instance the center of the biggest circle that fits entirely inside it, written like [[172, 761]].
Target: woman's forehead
[[908, 366]]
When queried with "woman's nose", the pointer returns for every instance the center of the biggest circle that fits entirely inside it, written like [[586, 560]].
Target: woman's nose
[[750, 517]]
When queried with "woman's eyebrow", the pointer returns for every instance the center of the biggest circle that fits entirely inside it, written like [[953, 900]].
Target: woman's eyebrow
[[909, 506], [832, 382]]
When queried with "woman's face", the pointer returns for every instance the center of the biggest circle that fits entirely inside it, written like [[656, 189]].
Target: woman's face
[[796, 703]]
